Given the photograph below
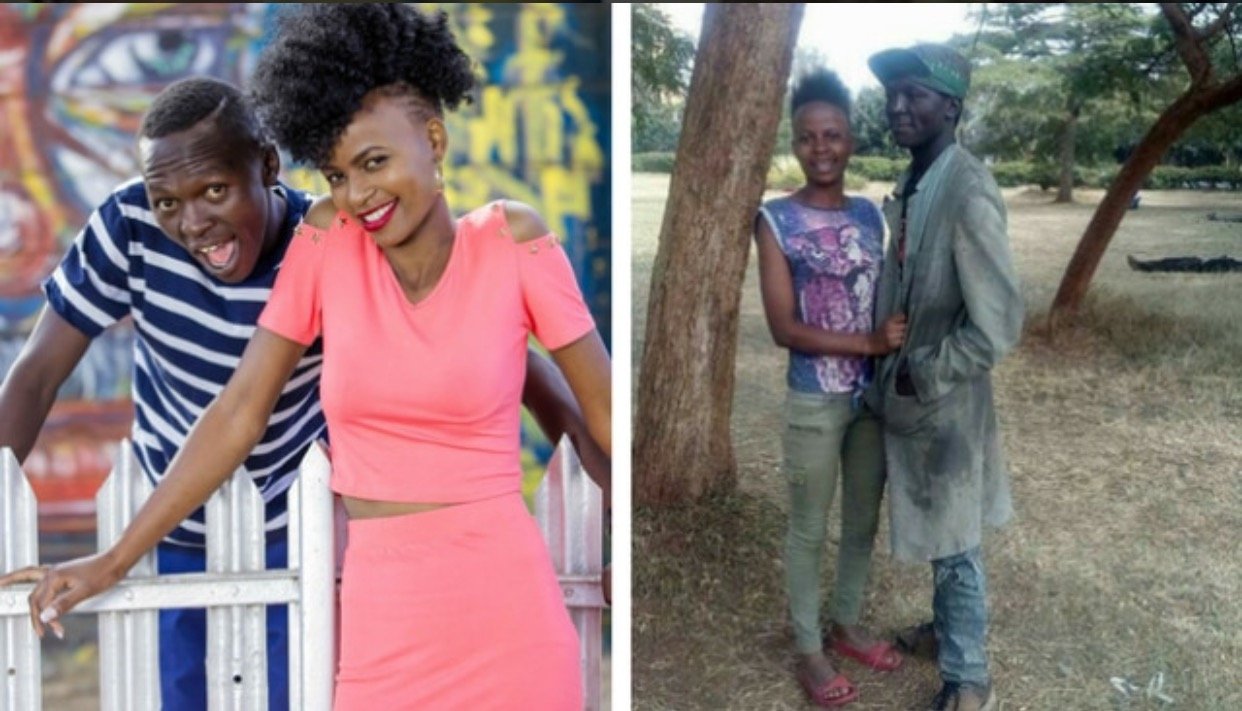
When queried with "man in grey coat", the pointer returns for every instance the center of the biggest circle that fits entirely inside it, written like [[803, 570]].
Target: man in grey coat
[[949, 269]]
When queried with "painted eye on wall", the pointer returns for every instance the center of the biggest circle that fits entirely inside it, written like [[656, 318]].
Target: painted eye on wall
[[99, 76], [139, 58]]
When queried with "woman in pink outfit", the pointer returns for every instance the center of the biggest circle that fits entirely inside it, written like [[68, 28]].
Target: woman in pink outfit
[[448, 597]]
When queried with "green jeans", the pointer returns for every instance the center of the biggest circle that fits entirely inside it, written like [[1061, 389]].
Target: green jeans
[[824, 435]]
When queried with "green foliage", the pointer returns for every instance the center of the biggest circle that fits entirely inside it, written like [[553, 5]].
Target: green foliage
[[659, 129], [1016, 110], [870, 126], [660, 74], [1036, 65], [654, 162], [786, 174], [1014, 174], [1213, 139], [1214, 177], [1047, 67], [1107, 69], [662, 54], [854, 181], [878, 168]]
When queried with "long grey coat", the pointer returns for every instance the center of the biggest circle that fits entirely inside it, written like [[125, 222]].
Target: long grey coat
[[947, 474]]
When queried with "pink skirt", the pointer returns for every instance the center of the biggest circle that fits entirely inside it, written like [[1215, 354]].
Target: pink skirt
[[457, 608]]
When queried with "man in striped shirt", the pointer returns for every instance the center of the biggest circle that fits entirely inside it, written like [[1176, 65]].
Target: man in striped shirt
[[190, 252]]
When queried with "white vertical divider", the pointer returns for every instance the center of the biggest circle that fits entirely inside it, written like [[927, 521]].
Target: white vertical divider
[[569, 508], [312, 552], [20, 664], [128, 641], [236, 634]]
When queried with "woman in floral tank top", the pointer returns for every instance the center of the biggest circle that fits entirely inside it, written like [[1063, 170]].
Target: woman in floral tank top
[[819, 258]]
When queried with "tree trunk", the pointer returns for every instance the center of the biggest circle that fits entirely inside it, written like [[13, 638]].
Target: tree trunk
[[1198, 101], [682, 447], [1069, 135]]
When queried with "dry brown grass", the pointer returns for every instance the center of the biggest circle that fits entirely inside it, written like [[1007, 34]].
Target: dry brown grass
[[1125, 444]]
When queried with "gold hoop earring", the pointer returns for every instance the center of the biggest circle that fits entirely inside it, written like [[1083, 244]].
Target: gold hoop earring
[[439, 179]]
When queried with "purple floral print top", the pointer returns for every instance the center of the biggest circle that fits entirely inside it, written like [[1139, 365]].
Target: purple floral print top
[[834, 257]]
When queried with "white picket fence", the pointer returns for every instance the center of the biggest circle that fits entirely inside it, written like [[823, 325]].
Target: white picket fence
[[236, 587]]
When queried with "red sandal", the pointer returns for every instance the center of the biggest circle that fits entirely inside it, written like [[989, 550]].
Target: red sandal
[[822, 695], [880, 656]]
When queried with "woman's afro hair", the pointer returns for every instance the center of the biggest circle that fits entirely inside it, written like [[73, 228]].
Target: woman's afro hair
[[820, 84], [326, 57]]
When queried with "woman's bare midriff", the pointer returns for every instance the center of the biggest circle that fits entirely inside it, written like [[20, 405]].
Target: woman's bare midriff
[[369, 508]]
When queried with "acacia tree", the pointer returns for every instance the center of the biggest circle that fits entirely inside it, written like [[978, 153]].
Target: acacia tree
[[660, 68], [1055, 63], [682, 447], [1203, 37]]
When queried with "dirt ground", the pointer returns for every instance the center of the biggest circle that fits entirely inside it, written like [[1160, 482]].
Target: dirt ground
[[1116, 586]]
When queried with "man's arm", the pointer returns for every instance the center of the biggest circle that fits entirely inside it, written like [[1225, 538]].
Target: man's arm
[[217, 444], [548, 397], [29, 390]]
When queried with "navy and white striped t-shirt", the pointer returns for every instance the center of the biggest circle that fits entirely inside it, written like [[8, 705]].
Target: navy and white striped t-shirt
[[190, 333]]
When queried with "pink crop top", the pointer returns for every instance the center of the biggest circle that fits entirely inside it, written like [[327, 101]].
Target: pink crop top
[[422, 400]]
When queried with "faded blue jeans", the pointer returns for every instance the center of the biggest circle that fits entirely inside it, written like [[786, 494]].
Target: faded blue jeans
[[183, 636], [961, 618]]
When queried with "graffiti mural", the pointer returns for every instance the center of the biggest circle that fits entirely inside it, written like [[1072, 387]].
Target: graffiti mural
[[75, 79]]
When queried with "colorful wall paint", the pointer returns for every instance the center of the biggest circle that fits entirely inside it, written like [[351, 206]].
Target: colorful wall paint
[[76, 77]]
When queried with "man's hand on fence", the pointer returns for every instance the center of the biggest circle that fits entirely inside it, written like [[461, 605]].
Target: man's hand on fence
[[58, 589]]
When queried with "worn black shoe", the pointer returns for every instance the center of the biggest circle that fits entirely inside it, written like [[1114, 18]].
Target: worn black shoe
[[975, 698], [964, 697], [946, 698], [918, 641]]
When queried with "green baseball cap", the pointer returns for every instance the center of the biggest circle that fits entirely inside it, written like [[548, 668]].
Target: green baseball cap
[[935, 66]]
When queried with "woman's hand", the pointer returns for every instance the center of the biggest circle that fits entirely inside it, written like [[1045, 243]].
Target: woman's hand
[[61, 587], [890, 335]]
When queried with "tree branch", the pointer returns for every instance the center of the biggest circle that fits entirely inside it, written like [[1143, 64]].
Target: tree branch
[[1222, 21], [1233, 48], [1187, 43], [1157, 62], [1224, 95]]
